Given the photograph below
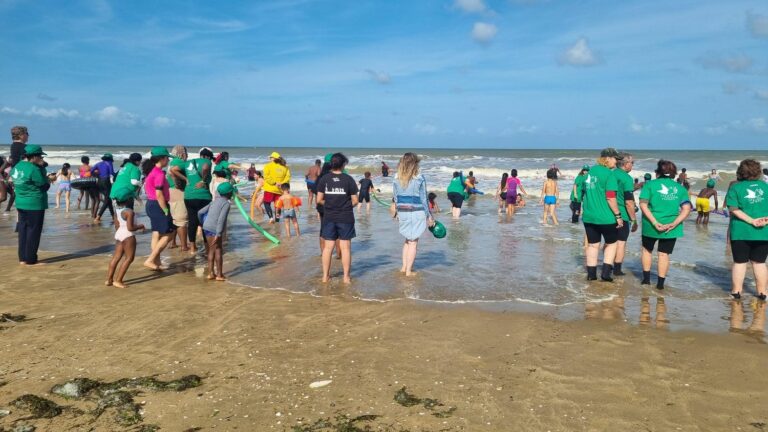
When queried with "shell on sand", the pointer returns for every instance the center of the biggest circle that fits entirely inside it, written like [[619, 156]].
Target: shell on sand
[[318, 384]]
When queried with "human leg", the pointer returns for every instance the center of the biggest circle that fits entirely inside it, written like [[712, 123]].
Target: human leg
[[346, 258], [412, 246], [328, 246], [66, 196], [113, 262], [34, 231], [129, 253], [220, 259]]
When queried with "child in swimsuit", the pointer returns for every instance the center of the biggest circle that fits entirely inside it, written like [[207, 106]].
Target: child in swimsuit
[[702, 202], [85, 172], [125, 240], [64, 177], [549, 193], [289, 205], [433, 207]]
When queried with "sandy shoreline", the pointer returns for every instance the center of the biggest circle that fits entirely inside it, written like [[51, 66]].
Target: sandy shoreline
[[259, 350]]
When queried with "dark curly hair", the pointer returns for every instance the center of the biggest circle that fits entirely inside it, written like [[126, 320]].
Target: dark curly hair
[[666, 168], [749, 169]]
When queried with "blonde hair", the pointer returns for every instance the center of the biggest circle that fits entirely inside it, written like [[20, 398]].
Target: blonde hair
[[408, 168], [603, 161]]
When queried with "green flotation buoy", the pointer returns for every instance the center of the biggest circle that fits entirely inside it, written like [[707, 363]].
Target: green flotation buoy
[[438, 230]]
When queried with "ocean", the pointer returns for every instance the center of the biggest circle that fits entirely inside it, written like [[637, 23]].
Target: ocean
[[489, 260]]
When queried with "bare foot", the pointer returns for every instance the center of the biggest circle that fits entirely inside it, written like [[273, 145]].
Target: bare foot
[[22, 263], [119, 285], [221, 279], [185, 249], [402, 270], [35, 264], [413, 273], [108, 283], [150, 265], [347, 281], [211, 277], [173, 246], [97, 220], [326, 279]]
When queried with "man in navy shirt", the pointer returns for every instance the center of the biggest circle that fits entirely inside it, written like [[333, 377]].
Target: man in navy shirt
[[105, 173]]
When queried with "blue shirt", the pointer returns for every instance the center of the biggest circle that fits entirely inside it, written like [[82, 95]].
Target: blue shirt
[[105, 169]]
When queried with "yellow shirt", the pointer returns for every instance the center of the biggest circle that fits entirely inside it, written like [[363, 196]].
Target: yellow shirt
[[275, 174]]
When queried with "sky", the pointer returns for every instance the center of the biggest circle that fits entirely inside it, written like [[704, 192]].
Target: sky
[[427, 73]]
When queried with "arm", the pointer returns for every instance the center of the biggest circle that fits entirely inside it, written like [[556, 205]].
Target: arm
[[685, 211], [717, 204], [161, 200], [321, 198], [204, 210], [522, 189], [424, 200], [648, 215], [737, 212], [176, 173], [543, 191], [130, 223]]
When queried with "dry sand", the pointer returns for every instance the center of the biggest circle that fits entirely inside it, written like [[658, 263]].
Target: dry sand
[[258, 351]]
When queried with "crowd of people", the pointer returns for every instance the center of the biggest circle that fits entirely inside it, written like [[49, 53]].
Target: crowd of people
[[187, 198]]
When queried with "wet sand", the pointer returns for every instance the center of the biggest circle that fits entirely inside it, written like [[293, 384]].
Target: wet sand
[[258, 351]]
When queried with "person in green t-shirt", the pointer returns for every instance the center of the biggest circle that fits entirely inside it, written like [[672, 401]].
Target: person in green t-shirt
[[223, 164], [625, 198], [197, 193], [576, 193], [457, 193], [601, 215], [747, 199], [665, 205], [31, 184], [129, 176], [177, 181]]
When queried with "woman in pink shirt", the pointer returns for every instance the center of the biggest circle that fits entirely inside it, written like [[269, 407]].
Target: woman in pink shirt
[[158, 193]]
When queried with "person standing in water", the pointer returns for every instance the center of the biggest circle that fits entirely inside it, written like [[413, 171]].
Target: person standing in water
[[384, 169], [311, 178], [337, 193], [601, 215], [276, 173], [457, 193], [549, 194], [702, 203], [501, 191], [196, 193], [64, 177], [105, 171], [625, 198], [665, 205], [577, 193], [31, 185], [513, 184], [129, 176], [410, 195], [366, 188], [747, 199], [19, 138], [177, 182]]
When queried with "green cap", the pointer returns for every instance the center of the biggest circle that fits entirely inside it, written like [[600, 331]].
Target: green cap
[[585, 167], [225, 188], [33, 150], [711, 183], [159, 151], [438, 230], [107, 156], [609, 152], [124, 194], [328, 157], [647, 176]]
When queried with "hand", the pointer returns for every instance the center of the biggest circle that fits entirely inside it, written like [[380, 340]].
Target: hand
[[758, 223], [634, 225], [659, 226], [431, 222], [669, 227], [200, 185], [619, 223]]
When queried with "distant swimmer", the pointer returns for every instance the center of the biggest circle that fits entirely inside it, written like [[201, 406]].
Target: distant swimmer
[[702, 202], [311, 178], [555, 171], [384, 169], [549, 194], [471, 184], [714, 175], [682, 179], [433, 207]]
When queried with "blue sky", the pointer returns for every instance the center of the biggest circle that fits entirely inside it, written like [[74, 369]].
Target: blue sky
[[426, 73]]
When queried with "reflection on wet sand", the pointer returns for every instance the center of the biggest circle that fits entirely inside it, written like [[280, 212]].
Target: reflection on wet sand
[[660, 320], [755, 328], [610, 310]]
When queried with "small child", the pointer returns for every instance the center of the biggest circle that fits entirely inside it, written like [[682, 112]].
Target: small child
[[64, 177], [433, 207], [219, 177], [214, 217], [520, 201], [125, 240], [549, 194], [288, 205], [366, 187]]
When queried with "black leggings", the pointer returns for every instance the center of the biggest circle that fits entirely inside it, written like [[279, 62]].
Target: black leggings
[[105, 187], [193, 206], [268, 209]]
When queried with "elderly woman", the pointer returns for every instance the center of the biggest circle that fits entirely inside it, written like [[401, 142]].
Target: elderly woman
[[601, 215], [410, 196], [31, 185], [665, 205], [747, 199]]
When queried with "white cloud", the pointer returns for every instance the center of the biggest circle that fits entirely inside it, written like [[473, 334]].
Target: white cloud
[[735, 63], [425, 128], [754, 124], [163, 122], [484, 32], [380, 77], [470, 6], [580, 54], [676, 128], [757, 25], [761, 94], [732, 88], [8, 110], [204, 24], [113, 115], [758, 124], [637, 127], [52, 112]]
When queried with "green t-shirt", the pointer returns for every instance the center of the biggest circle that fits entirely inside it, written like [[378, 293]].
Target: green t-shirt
[[579, 183], [176, 162], [599, 180], [29, 181], [127, 173], [194, 170], [664, 197], [223, 166], [625, 183], [457, 186], [751, 197]]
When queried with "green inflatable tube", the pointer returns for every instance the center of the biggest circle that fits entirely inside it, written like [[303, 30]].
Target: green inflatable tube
[[258, 227], [384, 203]]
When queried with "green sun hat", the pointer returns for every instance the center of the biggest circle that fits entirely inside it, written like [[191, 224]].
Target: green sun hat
[[159, 151], [107, 156], [647, 176], [438, 230], [585, 167], [33, 150], [328, 157], [225, 188], [124, 194], [711, 183]]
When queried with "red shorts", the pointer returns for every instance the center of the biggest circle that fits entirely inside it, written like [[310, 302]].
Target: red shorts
[[270, 197]]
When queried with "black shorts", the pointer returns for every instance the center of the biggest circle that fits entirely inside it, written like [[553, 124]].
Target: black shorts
[[364, 197], [456, 199], [623, 232], [161, 222], [595, 232], [665, 245], [312, 187], [749, 250], [330, 230], [575, 206]]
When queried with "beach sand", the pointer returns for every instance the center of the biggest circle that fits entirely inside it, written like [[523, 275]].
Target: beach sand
[[258, 351]]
